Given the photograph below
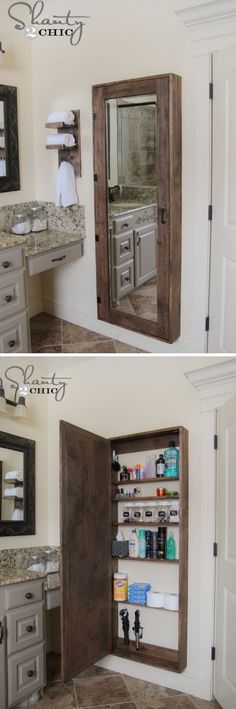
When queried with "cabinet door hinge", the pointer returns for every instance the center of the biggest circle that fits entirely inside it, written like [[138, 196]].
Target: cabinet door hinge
[[213, 653], [207, 324], [215, 549], [211, 91], [94, 117], [95, 177], [99, 300], [215, 442], [210, 213], [97, 237]]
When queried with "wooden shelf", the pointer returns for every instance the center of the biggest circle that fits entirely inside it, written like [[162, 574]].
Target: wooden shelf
[[54, 126], [17, 483], [148, 654], [146, 524], [140, 605], [13, 499], [61, 147], [155, 561], [142, 499], [145, 481]]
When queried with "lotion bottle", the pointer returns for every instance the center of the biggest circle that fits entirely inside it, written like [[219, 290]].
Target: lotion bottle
[[134, 544]]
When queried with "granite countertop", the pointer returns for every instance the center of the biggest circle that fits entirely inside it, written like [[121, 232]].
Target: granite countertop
[[115, 208], [40, 242], [9, 576]]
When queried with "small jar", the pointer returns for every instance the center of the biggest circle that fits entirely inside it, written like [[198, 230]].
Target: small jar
[[38, 218], [149, 512], [137, 513], [20, 223]]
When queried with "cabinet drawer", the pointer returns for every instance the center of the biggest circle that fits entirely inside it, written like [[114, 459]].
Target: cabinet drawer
[[24, 627], [123, 248], [23, 594], [26, 673], [123, 223], [11, 259], [53, 258], [14, 334], [124, 279], [12, 294]]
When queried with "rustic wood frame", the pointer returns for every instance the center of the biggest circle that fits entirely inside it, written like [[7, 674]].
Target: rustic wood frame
[[11, 182], [167, 87], [27, 447]]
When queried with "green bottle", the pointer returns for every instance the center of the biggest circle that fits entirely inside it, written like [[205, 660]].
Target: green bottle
[[170, 547]]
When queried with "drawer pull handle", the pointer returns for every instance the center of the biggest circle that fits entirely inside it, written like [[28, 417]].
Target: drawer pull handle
[[28, 596], [5, 264], [58, 259], [125, 225], [30, 673], [162, 212], [1, 633], [29, 628], [8, 298], [11, 343]]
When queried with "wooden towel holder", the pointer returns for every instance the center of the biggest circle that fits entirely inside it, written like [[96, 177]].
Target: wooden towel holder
[[72, 154]]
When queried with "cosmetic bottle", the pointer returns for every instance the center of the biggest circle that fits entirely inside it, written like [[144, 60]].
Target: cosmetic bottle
[[133, 544], [171, 456]]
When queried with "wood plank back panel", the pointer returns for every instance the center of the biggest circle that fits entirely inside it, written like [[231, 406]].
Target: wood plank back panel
[[86, 549]]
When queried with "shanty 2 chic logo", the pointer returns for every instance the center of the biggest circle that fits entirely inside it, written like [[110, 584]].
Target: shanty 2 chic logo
[[23, 382], [30, 18]]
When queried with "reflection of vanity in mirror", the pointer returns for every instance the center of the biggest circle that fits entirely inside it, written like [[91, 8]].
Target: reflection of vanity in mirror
[[9, 150], [137, 160], [17, 485]]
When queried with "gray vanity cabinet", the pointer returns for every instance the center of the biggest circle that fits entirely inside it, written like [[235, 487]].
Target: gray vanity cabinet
[[145, 254], [14, 319], [22, 653], [3, 663]]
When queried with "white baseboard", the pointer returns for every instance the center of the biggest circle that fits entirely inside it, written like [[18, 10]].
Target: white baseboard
[[35, 306], [143, 342], [190, 681]]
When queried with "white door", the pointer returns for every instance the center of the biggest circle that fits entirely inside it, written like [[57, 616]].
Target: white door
[[222, 335], [225, 665]]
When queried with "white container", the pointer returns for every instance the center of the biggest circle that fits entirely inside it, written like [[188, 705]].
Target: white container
[[171, 602], [155, 599], [134, 545]]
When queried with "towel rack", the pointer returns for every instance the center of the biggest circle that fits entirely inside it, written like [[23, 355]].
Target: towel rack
[[72, 154]]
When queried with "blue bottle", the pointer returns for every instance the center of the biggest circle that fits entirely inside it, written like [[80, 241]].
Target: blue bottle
[[171, 455]]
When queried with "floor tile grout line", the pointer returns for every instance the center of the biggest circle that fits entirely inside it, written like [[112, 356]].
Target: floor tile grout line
[[131, 695], [100, 706]]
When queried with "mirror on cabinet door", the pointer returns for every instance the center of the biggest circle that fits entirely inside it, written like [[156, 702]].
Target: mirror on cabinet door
[[137, 161], [9, 149], [17, 485]]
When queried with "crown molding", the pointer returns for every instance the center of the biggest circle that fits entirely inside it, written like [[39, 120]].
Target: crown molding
[[212, 24], [214, 384]]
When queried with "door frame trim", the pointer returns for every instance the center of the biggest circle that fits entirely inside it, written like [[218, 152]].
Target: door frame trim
[[214, 385]]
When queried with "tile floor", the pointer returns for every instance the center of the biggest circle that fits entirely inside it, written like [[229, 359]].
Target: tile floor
[[141, 302], [97, 687], [53, 335]]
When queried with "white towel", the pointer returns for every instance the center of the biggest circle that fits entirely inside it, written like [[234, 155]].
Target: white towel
[[3, 171], [2, 141], [14, 475], [18, 516], [13, 492], [66, 186], [67, 117], [61, 139]]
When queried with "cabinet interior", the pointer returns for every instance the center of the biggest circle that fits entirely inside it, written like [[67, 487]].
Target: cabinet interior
[[164, 643]]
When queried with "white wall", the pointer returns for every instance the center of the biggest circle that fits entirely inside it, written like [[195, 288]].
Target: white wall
[[120, 42], [17, 72]]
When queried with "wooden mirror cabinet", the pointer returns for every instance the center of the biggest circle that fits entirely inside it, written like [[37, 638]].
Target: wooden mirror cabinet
[[89, 522], [137, 183]]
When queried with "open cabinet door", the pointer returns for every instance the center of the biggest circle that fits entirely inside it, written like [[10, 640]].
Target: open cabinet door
[[86, 549]]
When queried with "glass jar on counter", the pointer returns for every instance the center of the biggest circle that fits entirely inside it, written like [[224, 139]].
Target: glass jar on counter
[[51, 564], [38, 218], [20, 223]]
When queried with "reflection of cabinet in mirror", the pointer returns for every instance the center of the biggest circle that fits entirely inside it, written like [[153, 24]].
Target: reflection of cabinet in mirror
[[137, 165]]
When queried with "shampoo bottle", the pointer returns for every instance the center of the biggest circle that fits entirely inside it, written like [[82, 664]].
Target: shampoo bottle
[[142, 544], [171, 547]]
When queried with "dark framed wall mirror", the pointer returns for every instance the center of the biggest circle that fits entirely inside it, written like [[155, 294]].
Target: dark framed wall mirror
[[9, 146], [137, 174], [17, 485]]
